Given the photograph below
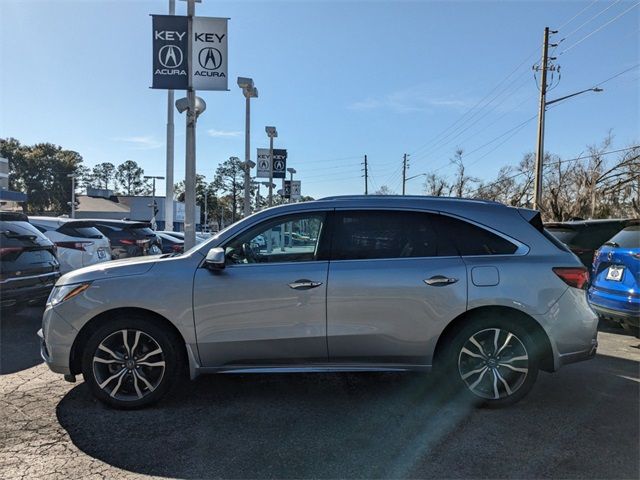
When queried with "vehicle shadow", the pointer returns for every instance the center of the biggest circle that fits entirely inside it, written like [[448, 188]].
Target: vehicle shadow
[[369, 426], [19, 343]]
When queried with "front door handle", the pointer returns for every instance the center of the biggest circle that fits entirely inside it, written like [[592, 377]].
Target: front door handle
[[304, 284], [440, 281]]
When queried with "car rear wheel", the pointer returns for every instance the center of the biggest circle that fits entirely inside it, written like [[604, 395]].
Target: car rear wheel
[[131, 362], [494, 361]]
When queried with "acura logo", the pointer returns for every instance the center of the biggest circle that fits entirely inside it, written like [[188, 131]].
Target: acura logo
[[210, 58], [170, 56]]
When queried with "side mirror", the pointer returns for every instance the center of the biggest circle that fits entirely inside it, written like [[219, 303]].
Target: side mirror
[[215, 259]]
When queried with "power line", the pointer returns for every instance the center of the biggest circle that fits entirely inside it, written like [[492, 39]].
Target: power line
[[588, 21], [577, 14], [586, 157], [598, 29]]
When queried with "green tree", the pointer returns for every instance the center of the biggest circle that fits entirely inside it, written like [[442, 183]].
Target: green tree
[[130, 181], [41, 171], [229, 179], [103, 175]]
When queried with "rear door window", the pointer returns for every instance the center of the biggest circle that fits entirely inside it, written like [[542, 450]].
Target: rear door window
[[375, 234], [80, 231]]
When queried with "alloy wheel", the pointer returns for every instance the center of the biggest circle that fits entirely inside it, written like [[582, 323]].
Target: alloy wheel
[[128, 365], [493, 363]]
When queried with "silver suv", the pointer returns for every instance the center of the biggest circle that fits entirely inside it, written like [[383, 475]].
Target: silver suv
[[475, 289]]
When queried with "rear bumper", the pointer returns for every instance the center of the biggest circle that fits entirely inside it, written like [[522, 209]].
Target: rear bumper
[[568, 358], [632, 318], [34, 294]]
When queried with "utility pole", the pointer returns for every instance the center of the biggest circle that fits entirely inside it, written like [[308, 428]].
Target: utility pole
[[72, 176], [366, 176], [153, 198], [168, 199], [537, 184], [190, 158], [404, 173], [206, 211]]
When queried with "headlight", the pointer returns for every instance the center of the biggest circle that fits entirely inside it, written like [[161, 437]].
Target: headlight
[[65, 292]]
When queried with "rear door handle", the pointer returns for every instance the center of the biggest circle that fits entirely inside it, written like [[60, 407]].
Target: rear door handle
[[440, 281], [304, 284]]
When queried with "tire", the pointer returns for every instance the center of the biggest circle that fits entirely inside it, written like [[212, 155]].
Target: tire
[[120, 381], [492, 380]]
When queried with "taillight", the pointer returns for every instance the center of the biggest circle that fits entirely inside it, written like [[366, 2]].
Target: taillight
[[126, 241], [74, 245], [577, 277], [176, 248], [6, 251]]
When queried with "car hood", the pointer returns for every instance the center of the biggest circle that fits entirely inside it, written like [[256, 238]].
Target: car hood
[[115, 268]]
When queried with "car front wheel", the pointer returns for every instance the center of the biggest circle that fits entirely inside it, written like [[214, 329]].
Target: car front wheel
[[495, 362], [131, 362]]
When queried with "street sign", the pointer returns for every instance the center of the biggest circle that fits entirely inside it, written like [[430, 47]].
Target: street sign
[[170, 52], [296, 190], [287, 189], [262, 163], [279, 163], [209, 54]]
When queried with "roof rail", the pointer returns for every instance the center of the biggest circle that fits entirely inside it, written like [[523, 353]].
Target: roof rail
[[406, 197]]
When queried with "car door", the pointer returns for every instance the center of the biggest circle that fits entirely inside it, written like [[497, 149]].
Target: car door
[[393, 287], [268, 306]]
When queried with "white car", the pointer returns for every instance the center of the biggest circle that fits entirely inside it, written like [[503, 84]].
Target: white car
[[78, 244]]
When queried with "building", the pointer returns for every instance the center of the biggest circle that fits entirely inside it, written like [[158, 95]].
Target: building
[[100, 203], [9, 200]]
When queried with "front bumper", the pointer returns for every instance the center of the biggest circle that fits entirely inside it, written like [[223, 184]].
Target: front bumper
[[56, 341]]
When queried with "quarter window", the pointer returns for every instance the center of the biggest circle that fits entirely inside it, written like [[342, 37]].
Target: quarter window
[[290, 239], [472, 240]]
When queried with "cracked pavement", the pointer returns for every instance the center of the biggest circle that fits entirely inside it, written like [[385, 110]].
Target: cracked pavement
[[581, 422]]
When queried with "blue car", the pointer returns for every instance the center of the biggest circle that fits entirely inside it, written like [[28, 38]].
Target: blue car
[[615, 290]]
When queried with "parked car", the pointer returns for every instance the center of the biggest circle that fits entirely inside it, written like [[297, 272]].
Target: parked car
[[128, 239], [78, 244], [474, 288], [584, 237], [171, 244], [28, 265], [615, 291], [180, 235]]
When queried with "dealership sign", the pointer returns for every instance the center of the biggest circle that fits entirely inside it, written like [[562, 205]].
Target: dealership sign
[[208, 57], [170, 52], [263, 163]]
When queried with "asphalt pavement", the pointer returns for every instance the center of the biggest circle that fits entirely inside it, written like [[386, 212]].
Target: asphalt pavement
[[581, 422]]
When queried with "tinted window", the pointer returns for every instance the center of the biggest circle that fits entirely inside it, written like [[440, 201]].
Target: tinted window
[[565, 235], [142, 231], [82, 232], [627, 238], [383, 234], [472, 240], [289, 239], [21, 234]]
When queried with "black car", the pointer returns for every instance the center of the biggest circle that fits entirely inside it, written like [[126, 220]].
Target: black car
[[28, 265], [171, 243], [128, 239], [584, 237]]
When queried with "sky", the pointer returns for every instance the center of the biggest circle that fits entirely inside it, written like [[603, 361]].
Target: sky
[[338, 79]]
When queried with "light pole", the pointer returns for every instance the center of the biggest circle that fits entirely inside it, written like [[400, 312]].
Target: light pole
[[266, 184], [249, 91], [414, 176], [291, 171], [168, 199], [537, 192], [153, 198], [271, 133], [72, 176], [194, 106]]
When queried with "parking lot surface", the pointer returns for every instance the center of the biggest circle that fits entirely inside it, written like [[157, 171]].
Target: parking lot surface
[[581, 422]]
